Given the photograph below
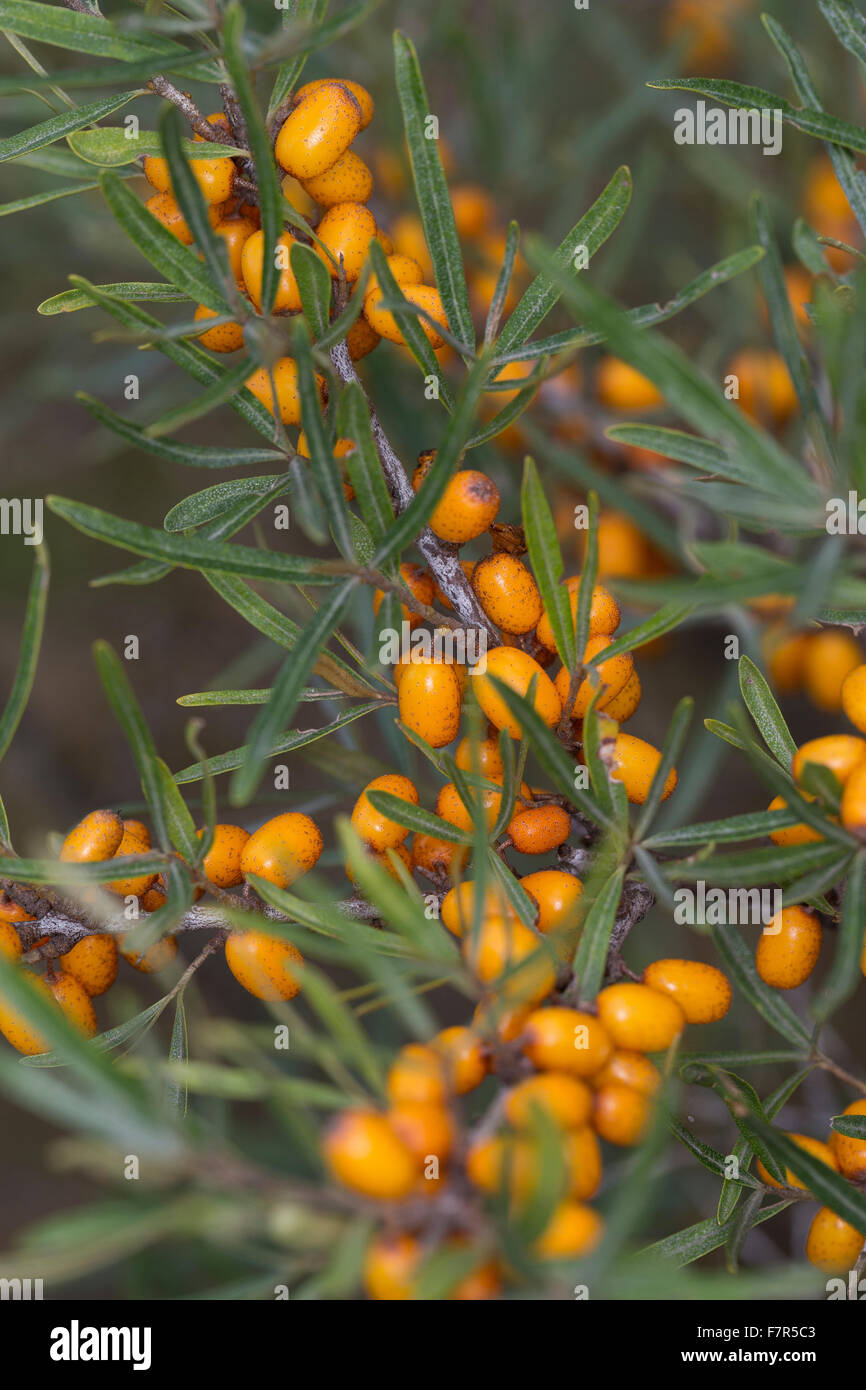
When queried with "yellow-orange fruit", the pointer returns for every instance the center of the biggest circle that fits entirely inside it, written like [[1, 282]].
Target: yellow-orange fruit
[[799, 834], [583, 1161], [405, 271], [621, 1115], [854, 697], [391, 1265], [407, 235], [458, 906], [222, 863], [634, 763], [420, 582], [622, 387], [378, 830], [823, 1152], [839, 752], [631, 1069], [423, 297], [153, 899], [74, 1001], [150, 962], [468, 506], [573, 1230], [450, 805], [364, 1153], [95, 838], [503, 1162], [16, 1029], [10, 941], [639, 1018], [474, 209], [484, 756], [288, 295], [428, 1131], [224, 337], [767, 393], [565, 1099], [702, 992], [832, 1244], [786, 660], [163, 207], [361, 95], [789, 947], [429, 701], [556, 894], [11, 911], [319, 128], [604, 613], [624, 704], [517, 670], [507, 955], [831, 656], [214, 177], [297, 196], [361, 339], [285, 373], [235, 232], [437, 857], [560, 1039], [507, 592], [384, 860], [539, 829], [135, 840], [92, 962], [500, 1019], [464, 1058], [346, 230], [282, 849], [348, 180], [612, 675], [263, 964], [623, 550], [850, 1154], [418, 1076], [853, 808]]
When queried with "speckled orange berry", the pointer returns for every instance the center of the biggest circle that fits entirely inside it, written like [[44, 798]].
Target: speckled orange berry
[[285, 372], [539, 829], [702, 992], [832, 1244], [92, 962], [429, 701], [428, 1131], [320, 127], [823, 1152], [222, 863], [832, 655], [420, 582], [346, 231], [583, 1161], [423, 297], [573, 1230], [378, 830], [621, 1115], [507, 592], [95, 838], [150, 962], [634, 763], [450, 806], [464, 1057], [235, 232], [560, 1039], [789, 947], [457, 912], [766, 392], [468, 506], [612, 675], [438, 858], [135, 840], [639, 1018], [348, 180], [565, 1099], [361, 95], [481, 756], [266, 966], [604, 613], [225, 337], [74, 1001], [799, 834], [623, 705], [214, 177], [417, 1075], [364, 1153], [850, 1154], [288, 296], [16, 1029], [10, 941], [622, 387], [361, 339], [839, 752], [163, 207], [517, 670], [505, 954], [853, 809], [630, 1069], [282, 849], [556, 894], [854, 697]]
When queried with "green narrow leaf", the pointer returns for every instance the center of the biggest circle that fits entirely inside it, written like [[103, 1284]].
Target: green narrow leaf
[[854, 1126], [763, 708], [415, 818], [694, 1242], [192, 455], [83, 33], [236, 757], [71, 300], [54, 129], [410, 323], [178, 1051], [829, 1187], [28, 656], [591, 957], [108, 147], [323, 463], [213, 396], [212, 502], [179, 822], [131, 720], [544, 553], [192, 204], [699, 453], [314, 285], [363, 464], [845, 973], [810, 122]]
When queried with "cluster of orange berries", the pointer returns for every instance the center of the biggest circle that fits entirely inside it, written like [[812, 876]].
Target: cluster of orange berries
[[587, 1075], [817, 661], [279, 851]]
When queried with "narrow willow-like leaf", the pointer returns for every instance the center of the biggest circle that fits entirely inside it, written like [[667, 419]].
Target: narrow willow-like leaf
[[363, 464], [129, 716], [853, 1126], [235, 757], [213, 501], [36, 200], [674, 740], [54, 129], [415, 818], [671, 616], [547, 564], [218, 393], [752, 825], [322, 461], [314, 284], [738, 94], [83, 33], [178, 1051], [407, 316], [694, 1242], [192, 455], [28, 656], [845, 972], [191, 201], [829, 1187], [72, 875], [589, 962], [70, 300], [179, 822], [108, 147], [298, 12], [699, 453]]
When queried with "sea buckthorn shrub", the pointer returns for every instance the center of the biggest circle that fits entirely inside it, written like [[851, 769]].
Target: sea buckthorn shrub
[[472, 903]]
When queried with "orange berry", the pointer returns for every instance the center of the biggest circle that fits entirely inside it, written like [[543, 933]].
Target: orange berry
[[509, 956], [500, 1019], [556, 894], [222, 863], [623, 550], [539, 829], [604, 614], [786, 659], [420, 582], [639, 1018], [74, 1001], [287, 299], [582, 1153], [11, 912], [16, 1029], [799, 834], [560, 1039], [623, 705], [468, 506], [767, 393], [428, 1131], [418, 1076], [407, 235], [346, 231], [10, 941], [612, 675], [565, 1099], [832, 1244], [573, 1230], [850, 1154], [95, 838], [390, 1266], [282, 849], [348, 180], [839, 752], [702, 992], [378, 830], [424, 297], [484, 755], [450, 806], [155, 959], [854, 697], [364, 1153], [92, 962], [853, 808], [622, 387], [153, 899], [831, 656], [437, 857], [405, 271], [429, 701], [458, 906], [621, 1115], [464, 1058], [214, 177], [163, 207], [474, 210], [285, 372], [516, 669], [225, 337], [320, 127], [235, 232], [263, 964], [384, 860], [361, 95], [507, 592], [504, 1163], [824, 1152], [634, 763], [789, 947], [135, 840], [631, 1069], [361, 339]]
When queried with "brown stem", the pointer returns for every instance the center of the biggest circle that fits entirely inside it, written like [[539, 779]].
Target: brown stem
[[163, 88]]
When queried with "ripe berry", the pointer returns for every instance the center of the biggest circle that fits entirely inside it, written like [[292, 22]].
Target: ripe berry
[[500, 1019], [468, 506], [235, 232], [384, 860], [11, 912], [832, 1244], [853, 809], [854, 697], [603, 614], [507, 592], [417, 1075], [437, 858], [285, 373], [450, 806], [623, 550], [287, 299], [824, 1152], [509, 956], [560, 1039], [136, 840], [346, 231], [420, 582], [376, 829], [458, 906], [516, 669], [474, 210], [74, 1001], [95, 838], [565, 1099], [573, 1230], [623, 705], [92, 962], [348, 180], [263, 964], [850, 1154], [621, 1115], [556, 893], [582, 1154], [320, 127], [611, 675], [225, 337], [222, 863], [839, 752], [163, 207], [364, 1153], [361, 339], [361, 95], [622, 387], [150, 962], [539, 829], [832, 655], [799, 834], [10, 941], [391, 1265], [788, 952], [767, 393], [702, 992], [464, 1058], [428, 1131], [482, 756], [786, 659], [405, 271], [214, 177], [504, 1163], [639, 1018], [282, 849], [429, 700], [16, 1029], [424, 297], [634, 763], [630, 1069]]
